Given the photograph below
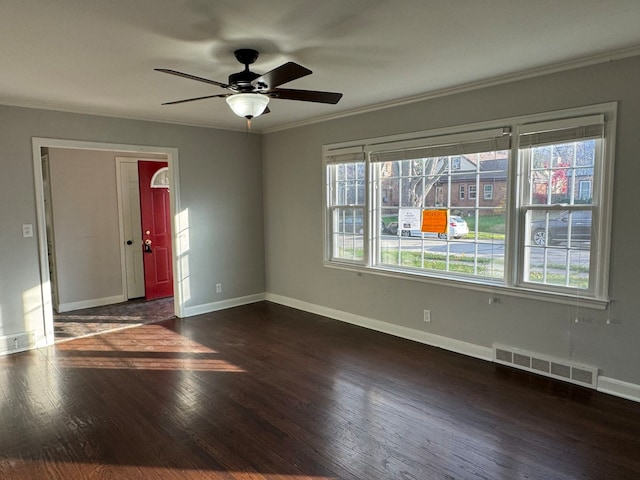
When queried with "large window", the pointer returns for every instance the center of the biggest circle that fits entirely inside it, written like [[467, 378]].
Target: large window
[[409, 205]]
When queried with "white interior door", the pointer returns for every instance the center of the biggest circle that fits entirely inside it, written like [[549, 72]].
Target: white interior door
[[132, 233]]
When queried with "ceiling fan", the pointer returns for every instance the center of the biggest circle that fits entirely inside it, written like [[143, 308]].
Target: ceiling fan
[[250, 91]]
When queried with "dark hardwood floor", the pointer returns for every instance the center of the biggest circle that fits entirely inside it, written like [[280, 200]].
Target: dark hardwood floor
[[268, 392]]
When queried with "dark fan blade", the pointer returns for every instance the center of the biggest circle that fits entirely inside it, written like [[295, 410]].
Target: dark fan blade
[[282, 74], [306, 95], [196, 98], [192, 77]]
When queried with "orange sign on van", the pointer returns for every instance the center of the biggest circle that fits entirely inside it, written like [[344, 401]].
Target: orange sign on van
[[435, 221]]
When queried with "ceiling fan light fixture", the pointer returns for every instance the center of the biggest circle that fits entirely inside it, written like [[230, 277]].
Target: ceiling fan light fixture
[[248, 105]]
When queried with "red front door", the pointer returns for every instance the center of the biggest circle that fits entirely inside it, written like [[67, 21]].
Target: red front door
[[156, 233]]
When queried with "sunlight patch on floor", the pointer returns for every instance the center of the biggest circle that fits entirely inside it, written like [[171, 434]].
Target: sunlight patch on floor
[[149, 347], [190, 364]]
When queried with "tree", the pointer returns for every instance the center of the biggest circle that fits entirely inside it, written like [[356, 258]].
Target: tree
[[550, 185], [423, 174]]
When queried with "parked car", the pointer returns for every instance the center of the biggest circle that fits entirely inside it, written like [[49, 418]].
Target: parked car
[[390, 229], [558, 228], [458, 228]]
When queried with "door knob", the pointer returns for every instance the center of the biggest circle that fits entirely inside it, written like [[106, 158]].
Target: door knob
[[129, 242]]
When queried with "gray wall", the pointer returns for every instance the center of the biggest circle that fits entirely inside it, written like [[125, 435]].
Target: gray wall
[[292, 163], [86, 224], [220, 188]]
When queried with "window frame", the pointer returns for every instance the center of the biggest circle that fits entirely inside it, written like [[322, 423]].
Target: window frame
[[580, 189], [439, 194], [596, 288], [487, 191], [336, 157], [515, 229]]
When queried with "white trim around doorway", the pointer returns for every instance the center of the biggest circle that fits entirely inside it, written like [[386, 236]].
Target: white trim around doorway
[[174, 184]]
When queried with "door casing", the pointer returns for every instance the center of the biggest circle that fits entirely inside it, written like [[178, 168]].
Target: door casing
[[172, 154]]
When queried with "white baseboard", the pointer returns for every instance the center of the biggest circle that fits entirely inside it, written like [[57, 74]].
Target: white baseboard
[[223, 304], [627, 390], [458, 346], [94, 302], [611, 386]]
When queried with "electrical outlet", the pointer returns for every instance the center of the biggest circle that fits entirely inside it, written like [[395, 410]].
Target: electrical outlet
[[218, 288], [27, 230], [427, 316]]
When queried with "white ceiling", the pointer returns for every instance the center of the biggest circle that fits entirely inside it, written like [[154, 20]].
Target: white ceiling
[[98, 56]]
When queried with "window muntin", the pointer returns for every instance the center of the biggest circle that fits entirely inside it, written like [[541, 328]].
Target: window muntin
[[516, 193]]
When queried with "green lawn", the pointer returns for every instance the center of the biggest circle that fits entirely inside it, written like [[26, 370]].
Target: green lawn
[[575, 280], [436, 261], [490, 227]]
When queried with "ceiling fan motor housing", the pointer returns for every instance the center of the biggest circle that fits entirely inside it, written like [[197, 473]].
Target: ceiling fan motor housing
[[241, 81]]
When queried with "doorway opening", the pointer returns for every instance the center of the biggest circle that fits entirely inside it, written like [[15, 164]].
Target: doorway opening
[[96, 247], [145, 227]]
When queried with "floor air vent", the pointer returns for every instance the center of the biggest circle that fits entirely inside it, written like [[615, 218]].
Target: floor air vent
[[559, 369], [17, 343]]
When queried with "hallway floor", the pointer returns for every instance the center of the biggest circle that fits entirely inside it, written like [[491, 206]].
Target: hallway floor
[[90, 321]]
